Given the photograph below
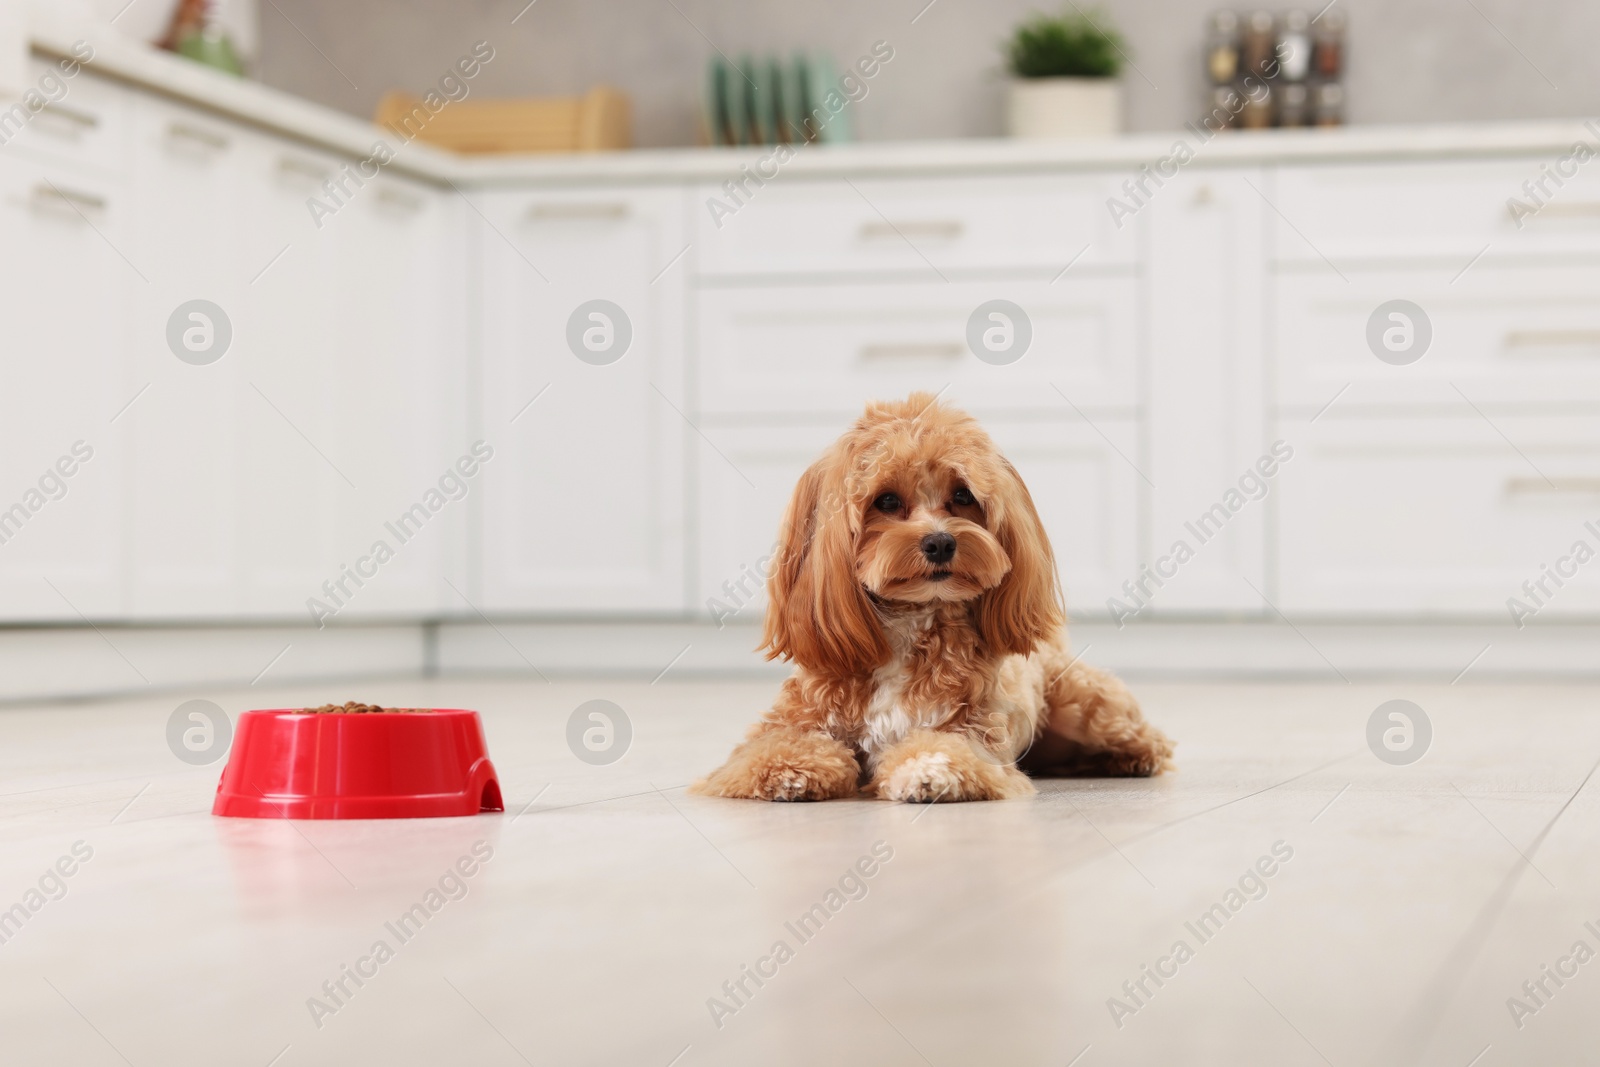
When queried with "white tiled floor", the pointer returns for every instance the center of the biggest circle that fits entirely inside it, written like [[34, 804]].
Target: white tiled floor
[[614, 906]]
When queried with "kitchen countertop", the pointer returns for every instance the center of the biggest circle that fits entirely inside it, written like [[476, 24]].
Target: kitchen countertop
[[148, 68]]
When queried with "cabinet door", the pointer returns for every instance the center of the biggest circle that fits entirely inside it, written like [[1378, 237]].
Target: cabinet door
[[63, 287], [299, 479], [398, 366], [583, 502], [184, 443], [1085, 492], [235, 476], [1207, 389]]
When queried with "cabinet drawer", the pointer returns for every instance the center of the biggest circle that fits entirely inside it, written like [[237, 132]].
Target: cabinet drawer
[[1424, 516], [1501, 334], [1086, 495], [831, 349], [1447, 209], [924, 227], [84, 121]]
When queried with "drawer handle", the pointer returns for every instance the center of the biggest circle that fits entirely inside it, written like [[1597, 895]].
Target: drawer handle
[[1528, 486], [1544, 338], [47, 194], [1576, 209], [78, 122], [945, 230], [577, 212], [182, 131], [872, 353], [303, 168], [394, 198]]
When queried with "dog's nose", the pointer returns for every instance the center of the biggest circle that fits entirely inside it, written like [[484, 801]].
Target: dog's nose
[[938, 547]]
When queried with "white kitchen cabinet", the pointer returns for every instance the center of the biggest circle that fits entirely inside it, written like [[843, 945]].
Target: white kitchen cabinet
[[1437, 515], [260, 475], [187, 499], [583, 504], [1085, 491], [231, 497], [64, 290], [369, 352]]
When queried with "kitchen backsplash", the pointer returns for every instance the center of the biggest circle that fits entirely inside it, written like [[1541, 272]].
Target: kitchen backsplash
[[1427, 60]]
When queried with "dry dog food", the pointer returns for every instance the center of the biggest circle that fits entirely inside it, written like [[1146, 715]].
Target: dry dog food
[[350, 707]]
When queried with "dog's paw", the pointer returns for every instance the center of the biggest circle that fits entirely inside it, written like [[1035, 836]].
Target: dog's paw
[[1147, 754], [925, 778], [929, 768], [785, 765]]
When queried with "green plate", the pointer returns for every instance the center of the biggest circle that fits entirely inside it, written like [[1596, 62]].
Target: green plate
[[738, 96], [714, 106], [792, 95], [822, 83], [766, 98]]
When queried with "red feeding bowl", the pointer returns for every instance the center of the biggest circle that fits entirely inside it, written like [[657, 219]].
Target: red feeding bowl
[[377, 765]]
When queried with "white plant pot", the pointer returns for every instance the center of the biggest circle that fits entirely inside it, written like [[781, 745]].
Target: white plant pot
[[1054, 109]]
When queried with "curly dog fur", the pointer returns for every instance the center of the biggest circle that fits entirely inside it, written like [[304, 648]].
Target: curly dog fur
[[915, 591]]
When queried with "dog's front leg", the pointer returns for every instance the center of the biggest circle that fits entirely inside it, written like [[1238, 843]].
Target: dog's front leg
[[930, 766], [782, 762]]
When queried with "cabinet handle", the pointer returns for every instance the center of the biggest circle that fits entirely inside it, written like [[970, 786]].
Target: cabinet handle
[[402, 201], [1542, 338], [1574, 209], [182, 131], [77, 122], [911, 350], [568, 212], [946, 230], [303, 168], [47, 194], [1522, 486]]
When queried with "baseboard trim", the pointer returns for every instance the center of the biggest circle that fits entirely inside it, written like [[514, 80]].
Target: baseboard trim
[[60, 663]]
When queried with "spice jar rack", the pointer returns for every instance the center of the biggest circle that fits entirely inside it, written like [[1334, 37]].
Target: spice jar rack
[[1264, 69]]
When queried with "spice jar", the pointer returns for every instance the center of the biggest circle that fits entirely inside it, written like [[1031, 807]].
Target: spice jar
[[1257, 45], [1222, 47], [1294, 47], [1257, 111], [1330, 104], [1226, 104], [1294, 104], [1328, 44]]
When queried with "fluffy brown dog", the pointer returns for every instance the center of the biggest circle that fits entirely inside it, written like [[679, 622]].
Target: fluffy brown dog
[[915, 591]]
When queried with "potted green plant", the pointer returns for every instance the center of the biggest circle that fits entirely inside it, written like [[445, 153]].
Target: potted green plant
[[1064, 77]]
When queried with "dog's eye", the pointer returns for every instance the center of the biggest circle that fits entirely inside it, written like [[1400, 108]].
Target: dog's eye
[[888, 503], [963, 497]]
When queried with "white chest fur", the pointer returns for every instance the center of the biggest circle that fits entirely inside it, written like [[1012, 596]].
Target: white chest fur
[[889, 716]]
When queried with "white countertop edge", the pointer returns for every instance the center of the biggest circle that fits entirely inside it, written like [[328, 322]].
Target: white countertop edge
[[141, 65], [149, 68]]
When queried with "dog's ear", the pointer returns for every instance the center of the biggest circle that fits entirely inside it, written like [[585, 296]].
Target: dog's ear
[[818, 615], [1025, 609]]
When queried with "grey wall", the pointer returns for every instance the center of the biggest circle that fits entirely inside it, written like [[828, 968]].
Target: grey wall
[[1412, 61]]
